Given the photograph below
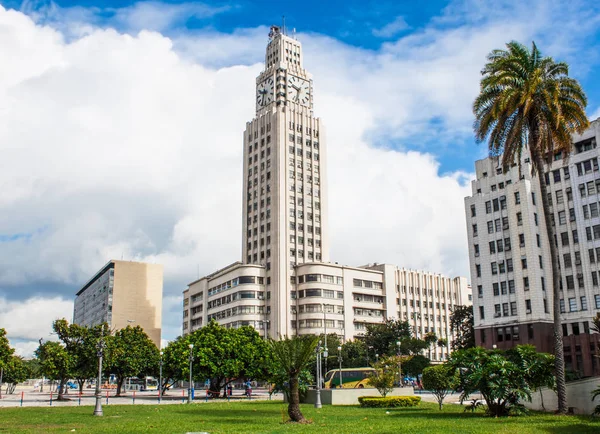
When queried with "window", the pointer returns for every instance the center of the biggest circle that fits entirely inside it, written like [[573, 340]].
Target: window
[[517, 198], [572, 304], [474, 230], [556, 175], [476, 248], [496, 205], [507, 244], [490, 226], [480, 291], [586, 213], [473, 212], [528, 306], [495, 288], [594, 278], [509, 265], [567, 260], [597, 301], [521, 240], [564, 238], [497, 311], [503, 289], [562, 218], [519, 219], [570, 282], [583, 300], [477, 270], [497, 225], [575, 237], [492, 247], [526, 283], [504, 309], [541, 261], [511, 286], [513, 308], [524, 263], [481, 312], [488, 207], [494, 266], [562, 305], [559, 197]]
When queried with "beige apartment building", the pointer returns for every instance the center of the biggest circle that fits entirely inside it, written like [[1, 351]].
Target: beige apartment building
[[123, 293], [285, 283], [509, 252]]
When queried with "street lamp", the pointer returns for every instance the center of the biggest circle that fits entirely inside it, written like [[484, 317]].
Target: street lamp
[[376, 358], [370, 347], [318, 397], [325, 332], [340, 359], [100, 347], [191, 387], [43, 376], [398, 343], [160, 362]]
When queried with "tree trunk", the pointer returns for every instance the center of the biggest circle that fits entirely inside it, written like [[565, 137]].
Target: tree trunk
[[61, 390], [559, 360], [120, 381], [81, 382], [294, 406]]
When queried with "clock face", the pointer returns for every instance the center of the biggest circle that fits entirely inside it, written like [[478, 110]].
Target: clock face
[[264, 92], [298, 90]]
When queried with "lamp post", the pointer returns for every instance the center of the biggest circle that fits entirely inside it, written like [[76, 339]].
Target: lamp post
[[369, 347], [43, 376], [160, 390], [100, 347], [318, 397], [398, 343], [325, 332], [191, 387], [376, 358], [340, 359]]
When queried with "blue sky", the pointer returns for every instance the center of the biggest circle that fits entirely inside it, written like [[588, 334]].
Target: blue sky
[[121, 125]]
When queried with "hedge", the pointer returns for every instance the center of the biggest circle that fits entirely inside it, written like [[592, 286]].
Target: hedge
[[389, 401]]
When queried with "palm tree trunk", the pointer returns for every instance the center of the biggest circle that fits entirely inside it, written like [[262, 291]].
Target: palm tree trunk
[[559, 360], [294, 405]]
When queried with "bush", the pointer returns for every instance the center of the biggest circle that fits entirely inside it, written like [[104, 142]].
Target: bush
[[389, 401]]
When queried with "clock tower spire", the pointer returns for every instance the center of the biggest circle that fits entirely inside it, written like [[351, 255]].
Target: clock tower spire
[[285, 200]]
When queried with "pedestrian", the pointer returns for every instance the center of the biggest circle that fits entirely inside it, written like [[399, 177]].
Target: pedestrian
[[248, 389]]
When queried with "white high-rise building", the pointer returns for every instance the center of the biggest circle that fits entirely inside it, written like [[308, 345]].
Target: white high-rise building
[[285, 280], [509, 252]]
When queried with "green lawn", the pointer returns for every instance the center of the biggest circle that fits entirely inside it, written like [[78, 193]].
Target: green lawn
[[266, 417]]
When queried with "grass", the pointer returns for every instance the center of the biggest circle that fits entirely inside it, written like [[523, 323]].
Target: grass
[[266, 417]]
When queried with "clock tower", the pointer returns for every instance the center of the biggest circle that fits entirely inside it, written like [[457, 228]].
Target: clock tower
[[284, 195]]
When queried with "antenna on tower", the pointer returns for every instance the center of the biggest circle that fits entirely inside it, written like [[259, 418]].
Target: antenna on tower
[[294, 33], [283, 24]]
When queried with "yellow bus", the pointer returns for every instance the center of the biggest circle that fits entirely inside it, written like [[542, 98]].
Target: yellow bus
[[351, 378]]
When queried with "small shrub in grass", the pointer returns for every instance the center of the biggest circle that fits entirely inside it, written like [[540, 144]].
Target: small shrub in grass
[[389, 401]]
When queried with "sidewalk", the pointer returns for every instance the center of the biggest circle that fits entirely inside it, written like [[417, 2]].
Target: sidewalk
[[174, 396]]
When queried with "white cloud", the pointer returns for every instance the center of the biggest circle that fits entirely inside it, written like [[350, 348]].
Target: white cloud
[[392, 28], [131, 145], [31, 319]]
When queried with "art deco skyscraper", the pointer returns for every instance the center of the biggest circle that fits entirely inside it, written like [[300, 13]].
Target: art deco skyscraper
[[285, 197]]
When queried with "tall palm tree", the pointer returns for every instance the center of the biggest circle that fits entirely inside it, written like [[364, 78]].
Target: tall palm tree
[[292, 355], [528, 103]]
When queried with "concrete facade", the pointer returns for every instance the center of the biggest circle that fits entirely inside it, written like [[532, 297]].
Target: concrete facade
[[509, 252], [123, 293], [288, 283]]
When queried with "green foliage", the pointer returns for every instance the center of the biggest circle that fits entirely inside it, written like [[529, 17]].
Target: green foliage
[[354, 354], [383, 337], [462, 326], [292, 356], [595, 394], [225, 354], [130, 353], [15, 371], [56, 363], [389, 401], [280, 381], [414, 365], [503, 379], [5, 349], [81, 343], [440, 380], [385, 375]]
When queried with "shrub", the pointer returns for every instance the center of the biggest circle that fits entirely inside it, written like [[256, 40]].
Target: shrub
[[389, 401], [440, 379]]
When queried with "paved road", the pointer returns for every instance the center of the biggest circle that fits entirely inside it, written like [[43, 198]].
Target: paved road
[[33, 398]]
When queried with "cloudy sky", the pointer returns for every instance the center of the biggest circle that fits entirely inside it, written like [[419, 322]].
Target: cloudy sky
[[121, 132]]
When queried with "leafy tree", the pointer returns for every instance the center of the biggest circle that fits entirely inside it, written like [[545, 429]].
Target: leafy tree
[[81, 343], [415, 365], [5, 349], [384, 376], [431, 340], [354, 354], [462, 326], [440, 379], [383, 337], [528, 103], [175, 362], [292, 356], [15, 371], [504, 379], [130, 353], [56, 364], [281, 383], [226, 354]]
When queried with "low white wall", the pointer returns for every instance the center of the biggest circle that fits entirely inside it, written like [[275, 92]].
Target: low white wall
[[350, 396], [579, 397]]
